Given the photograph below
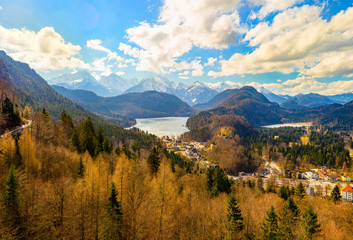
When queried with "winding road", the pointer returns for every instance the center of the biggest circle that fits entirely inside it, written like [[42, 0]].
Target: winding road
[[18, 129]]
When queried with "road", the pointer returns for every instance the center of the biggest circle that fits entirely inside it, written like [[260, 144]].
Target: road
[[18, 129]]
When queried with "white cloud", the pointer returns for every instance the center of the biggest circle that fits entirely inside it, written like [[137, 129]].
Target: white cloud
[[42, 50], [0, 7], [269, 6], [204, 23], [106, 64], [305, 85], [97, 45], [297, 40], [211, 61]]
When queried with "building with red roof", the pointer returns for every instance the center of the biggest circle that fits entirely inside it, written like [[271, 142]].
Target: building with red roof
[[347, 193]]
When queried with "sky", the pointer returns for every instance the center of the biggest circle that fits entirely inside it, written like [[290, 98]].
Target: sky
[[288, 47]]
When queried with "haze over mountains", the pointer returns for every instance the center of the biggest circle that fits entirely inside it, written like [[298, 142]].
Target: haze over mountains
[[197, 94]]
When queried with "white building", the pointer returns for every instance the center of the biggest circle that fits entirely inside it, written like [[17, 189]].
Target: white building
[[347, 193]]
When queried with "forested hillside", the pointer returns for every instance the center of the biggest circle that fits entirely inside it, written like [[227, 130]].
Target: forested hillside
[[70, 181], [25, 87]]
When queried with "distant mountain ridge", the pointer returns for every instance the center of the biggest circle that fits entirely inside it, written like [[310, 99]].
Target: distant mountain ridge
[[195, 94], [138, 105]]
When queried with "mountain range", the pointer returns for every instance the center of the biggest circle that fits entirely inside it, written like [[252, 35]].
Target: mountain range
[[138, 105], [255, 106]]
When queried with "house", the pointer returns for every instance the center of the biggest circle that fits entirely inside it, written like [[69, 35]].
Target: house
[[346, 178], [347, 193], [310, 191]]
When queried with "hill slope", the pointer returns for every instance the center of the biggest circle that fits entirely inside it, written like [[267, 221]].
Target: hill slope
[[31, 89], [249, 103]]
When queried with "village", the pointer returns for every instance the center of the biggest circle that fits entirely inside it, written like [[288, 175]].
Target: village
[[317, 181]]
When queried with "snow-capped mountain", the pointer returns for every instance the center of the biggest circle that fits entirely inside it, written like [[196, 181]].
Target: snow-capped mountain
[[117, 84], [81, 80], [196, 93], [157, 83], [271, 96], [221, 86]]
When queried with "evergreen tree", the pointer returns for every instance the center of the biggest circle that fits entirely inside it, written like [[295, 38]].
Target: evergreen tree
[[88, 141], [234, 218], [336, 194], [114, 216], [270, 226], [283, 192], [107, 145], [10, 199], [288, 219], [300, 191], [310, 223], [117, 150], [153, 161], [219, 182], [66, 125], [7, 106], [100, 139], [44, 112], [80, 171], [17, 157], [75, 141]]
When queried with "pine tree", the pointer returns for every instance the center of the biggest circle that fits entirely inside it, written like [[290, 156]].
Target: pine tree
[[107, 145], [7, 106], [300, 191], [283, 192], [153, 162], [17, 157], [80, 171], [100, 139], [288, 219], [335, 194], [221, 182], [310, 223], [235, 220], [10, 199], [88, 141], [114, 216], [75, 141], [270, 226]]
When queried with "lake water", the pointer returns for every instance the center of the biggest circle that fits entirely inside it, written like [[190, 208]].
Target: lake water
[[288, 125], [166, 126]]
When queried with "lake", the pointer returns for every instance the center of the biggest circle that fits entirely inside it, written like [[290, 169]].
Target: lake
[[166, 126], [288, 125]]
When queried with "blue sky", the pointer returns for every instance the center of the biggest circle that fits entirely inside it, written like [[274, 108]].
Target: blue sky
[[290, 47]]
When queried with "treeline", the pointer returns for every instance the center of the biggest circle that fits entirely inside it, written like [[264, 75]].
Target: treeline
[[9, 115]]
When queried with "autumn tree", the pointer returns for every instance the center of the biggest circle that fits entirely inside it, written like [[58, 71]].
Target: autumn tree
[[234, 218]]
